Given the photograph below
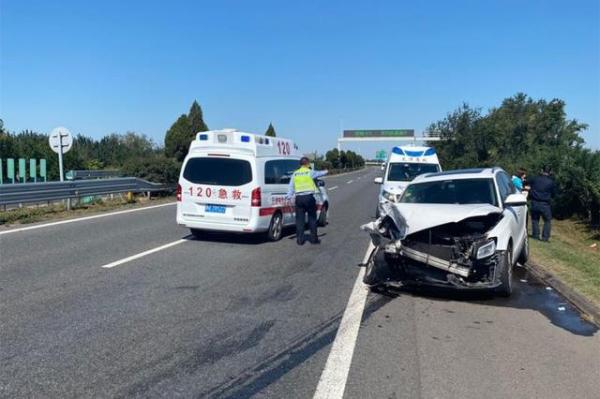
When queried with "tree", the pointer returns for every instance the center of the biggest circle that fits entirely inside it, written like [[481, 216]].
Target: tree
[[527, 133], [177, 139], [270, 131], [183, 132], [196, 120], [333, 157]]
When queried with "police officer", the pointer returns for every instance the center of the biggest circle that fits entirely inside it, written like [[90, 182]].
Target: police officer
[[303, 186], [542, 189]]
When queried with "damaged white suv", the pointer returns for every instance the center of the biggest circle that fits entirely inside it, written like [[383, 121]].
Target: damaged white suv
[[462, 228]]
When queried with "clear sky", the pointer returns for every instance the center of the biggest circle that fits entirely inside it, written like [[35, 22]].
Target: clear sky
[[310, 67]]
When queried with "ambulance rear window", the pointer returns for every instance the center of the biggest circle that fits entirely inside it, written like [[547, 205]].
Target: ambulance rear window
[[218, 171]]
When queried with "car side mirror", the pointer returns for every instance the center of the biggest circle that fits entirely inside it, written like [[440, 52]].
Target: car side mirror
[[517, 199], [320, 183], [378, 180]]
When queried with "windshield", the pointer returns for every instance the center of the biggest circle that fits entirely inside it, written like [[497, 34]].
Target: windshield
[[459, 191], [218, 171], [408, 171]]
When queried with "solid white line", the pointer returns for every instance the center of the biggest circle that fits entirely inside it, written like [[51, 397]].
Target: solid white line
[[349, 181], [332, 188], [39, 226], [142, 254], [333, 379]]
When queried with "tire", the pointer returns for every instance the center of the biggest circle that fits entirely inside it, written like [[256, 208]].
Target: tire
[[376, 269], [524, 255], [322, 222], [197, 233], [505, 266], [275, 227]]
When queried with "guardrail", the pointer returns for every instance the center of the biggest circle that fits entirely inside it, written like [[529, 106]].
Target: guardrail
[[92, 174], [54, 191]]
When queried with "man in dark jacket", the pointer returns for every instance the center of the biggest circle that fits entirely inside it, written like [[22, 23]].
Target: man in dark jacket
[[542, 189]]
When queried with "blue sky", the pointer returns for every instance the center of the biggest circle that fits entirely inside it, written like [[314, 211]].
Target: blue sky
[[309, 67]]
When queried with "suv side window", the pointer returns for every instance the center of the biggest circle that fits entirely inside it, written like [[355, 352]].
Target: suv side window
[[505, 186], [278, 171]]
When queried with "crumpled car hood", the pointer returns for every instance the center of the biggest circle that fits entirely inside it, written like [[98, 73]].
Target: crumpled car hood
[[418, 217]]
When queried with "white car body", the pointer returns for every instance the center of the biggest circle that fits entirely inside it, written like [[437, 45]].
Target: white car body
[[237, 182], [410, 158], [466, 243]]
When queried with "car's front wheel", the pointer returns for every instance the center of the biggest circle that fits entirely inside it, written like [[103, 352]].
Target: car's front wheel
[[504, 267], [524, 256]]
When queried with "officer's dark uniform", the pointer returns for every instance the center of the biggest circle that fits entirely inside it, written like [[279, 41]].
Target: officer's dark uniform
[[542, 189]]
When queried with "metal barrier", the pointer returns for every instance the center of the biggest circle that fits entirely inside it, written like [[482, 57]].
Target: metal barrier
[[92, 174], [53, 191]]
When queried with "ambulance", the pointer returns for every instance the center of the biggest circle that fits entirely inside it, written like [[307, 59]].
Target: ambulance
[[404, 163], [233, 181]]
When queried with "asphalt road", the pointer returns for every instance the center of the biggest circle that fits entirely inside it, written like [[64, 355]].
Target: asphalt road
[[235, 316]]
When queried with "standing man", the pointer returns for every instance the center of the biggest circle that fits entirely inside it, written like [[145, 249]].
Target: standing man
[[541, 191], [303, 186]]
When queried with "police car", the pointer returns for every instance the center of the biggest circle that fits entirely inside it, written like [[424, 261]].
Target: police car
[[402, 166], [234, 181]]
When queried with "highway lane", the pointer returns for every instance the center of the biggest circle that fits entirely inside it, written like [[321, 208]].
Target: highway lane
[[234, 316], [71, 328]]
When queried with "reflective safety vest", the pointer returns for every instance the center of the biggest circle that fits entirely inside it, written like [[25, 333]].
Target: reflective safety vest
[[303, 181]]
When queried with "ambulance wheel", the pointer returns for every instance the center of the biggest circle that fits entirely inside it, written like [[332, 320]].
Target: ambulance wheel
[[275, 227], [323, 215]]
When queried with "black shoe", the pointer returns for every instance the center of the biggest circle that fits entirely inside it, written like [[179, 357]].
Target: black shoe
[[317, 241], [300, 242]]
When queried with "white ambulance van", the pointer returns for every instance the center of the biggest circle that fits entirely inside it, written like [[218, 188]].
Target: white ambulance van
[[402, 166], [234, 181]]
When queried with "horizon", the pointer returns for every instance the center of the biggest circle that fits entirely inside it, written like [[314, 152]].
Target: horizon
[[312, 70]]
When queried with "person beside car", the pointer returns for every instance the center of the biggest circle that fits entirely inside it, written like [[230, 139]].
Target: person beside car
[[541, 191], [302, 186], [518, 179]]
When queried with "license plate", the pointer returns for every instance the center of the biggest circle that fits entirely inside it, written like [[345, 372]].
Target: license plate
[[215, 208]]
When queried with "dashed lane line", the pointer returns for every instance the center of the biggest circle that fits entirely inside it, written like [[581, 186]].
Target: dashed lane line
[[332, 188], [142, 254], [350, 182], [335, 374]]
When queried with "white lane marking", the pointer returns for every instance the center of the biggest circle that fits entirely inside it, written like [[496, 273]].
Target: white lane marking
[[335, 374], [350, 181], [332, 188], [142, 254], [39, 226]]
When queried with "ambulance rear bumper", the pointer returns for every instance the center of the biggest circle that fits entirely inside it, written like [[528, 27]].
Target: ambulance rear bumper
[[259, 224]]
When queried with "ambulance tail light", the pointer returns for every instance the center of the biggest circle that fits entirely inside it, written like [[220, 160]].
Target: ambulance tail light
[[178, 193], [256, 197]]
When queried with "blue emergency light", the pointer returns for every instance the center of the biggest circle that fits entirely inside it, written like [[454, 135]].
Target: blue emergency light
[[245, 139], [203, 137]]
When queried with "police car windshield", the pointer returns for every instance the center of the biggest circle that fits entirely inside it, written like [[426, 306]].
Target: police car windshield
[[218, 171], [401, 171], [459, 191]]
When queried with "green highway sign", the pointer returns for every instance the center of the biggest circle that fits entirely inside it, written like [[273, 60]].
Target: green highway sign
[[379, 133], [381, 155]]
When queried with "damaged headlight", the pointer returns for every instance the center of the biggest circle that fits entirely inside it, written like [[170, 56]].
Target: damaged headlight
[[392, 197], [486, 250]]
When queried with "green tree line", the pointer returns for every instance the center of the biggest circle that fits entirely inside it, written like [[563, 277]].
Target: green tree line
[[526, 133]]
